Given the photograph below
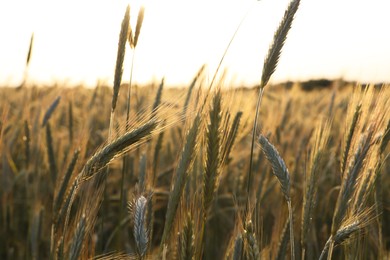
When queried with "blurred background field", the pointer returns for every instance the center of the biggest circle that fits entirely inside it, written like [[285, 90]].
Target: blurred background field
[[33, 167], [235, 163]]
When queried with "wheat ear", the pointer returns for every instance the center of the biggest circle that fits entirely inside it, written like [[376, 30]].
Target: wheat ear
[[270, 63], [183, 167], [280, 170], [50, 111]]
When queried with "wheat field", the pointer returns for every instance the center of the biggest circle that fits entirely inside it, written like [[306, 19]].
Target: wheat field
[[206, 171]]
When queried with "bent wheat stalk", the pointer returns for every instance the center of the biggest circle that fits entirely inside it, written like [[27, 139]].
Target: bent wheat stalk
[[280, 170], [270, 64]]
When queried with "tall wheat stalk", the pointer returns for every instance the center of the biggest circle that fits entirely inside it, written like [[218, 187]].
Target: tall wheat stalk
[[270, 64], [280, 170], [185, 162], [318, 150]]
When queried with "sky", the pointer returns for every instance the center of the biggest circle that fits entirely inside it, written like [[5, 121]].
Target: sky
[[75, 41]]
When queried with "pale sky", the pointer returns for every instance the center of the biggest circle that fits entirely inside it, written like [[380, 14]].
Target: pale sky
[[76, 41]]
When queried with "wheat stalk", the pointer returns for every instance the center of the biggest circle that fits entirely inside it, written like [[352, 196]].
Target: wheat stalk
[[270, 63], [280, 170], [50, 111], [321, 140], [157, 100], [349, 135], [186, 160], [65, 181], [78, 238], [117, 147], [138, 212], [138, 27], [186, 240], [253, 252], [120, 58], [238, 247], [50, 154]]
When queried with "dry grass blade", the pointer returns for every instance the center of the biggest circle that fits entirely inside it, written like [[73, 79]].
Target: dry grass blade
[[120, 57], [117, 147], [279, 168], [280, 36], [50, 111]]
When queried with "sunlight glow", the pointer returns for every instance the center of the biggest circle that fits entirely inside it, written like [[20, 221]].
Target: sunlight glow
[[76, 41]]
